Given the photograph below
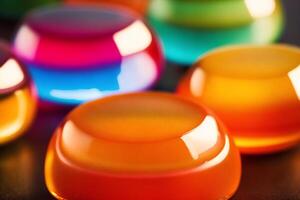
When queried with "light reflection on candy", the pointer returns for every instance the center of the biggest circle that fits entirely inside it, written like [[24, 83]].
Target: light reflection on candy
[[258, 9], [75, 54], [145, 146], [17, 98], [10, 74], [294, 76]]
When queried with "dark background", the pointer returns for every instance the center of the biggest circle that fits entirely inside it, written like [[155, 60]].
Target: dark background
[[269, 177]]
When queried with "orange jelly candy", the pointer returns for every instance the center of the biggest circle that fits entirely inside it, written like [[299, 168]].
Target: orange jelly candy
[[17, 99], [255, 90], [150, 146], [139, 6]]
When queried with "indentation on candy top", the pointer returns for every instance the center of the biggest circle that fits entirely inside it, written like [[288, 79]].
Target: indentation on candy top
[[12, 74], [140, 132], [133, 119], [251, 62], [75, 21]]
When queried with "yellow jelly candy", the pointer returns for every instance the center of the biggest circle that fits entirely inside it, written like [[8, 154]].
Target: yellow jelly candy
[[17, 98], [255, 90]]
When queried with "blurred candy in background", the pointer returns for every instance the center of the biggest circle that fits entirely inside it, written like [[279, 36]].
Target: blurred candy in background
[[17, 97], [150, 146], [189, 29], [255, 90], [78, 53], [139, 6], [17, 8]]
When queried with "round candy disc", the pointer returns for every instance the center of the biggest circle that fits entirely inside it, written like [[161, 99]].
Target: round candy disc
[[17, 99], [185, 44], [77, 54], [212, 13], [145, 146], [139, 6], [255, 91]]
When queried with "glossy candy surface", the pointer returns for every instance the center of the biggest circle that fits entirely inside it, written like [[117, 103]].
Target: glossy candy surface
[[76, 54], [17, 99], [139, 6], [212, 13], [144, 146], [255, 90], [185, 43]]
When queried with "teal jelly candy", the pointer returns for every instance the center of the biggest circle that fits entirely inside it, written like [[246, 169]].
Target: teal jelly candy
[[211, 13], [184, 43]]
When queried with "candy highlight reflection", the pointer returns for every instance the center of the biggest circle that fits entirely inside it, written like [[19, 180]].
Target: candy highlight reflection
[[294, 76], [17, 99], [258, 9]]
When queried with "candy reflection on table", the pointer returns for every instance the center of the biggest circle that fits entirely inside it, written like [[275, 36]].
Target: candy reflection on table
[[186, 37], [17, 98], [76, 54], [144, 146], [139, 6], [255, 90], [17, 171]]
